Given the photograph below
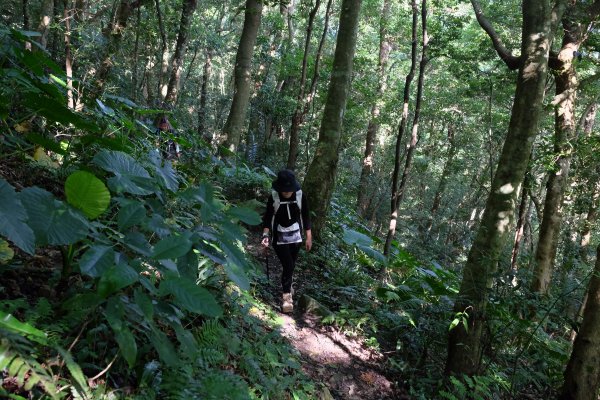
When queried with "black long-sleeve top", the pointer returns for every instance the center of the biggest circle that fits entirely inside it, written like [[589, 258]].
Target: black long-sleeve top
[[282, 217]]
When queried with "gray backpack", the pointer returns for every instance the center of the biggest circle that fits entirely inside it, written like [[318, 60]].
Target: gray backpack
[[277, 203]]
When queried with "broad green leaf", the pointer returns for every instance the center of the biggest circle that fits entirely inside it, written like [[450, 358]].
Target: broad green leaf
[[237, 275], [172, 247], [52, 221], [191, 297], [168, 176], [43, 141], [87, 193], [130, 215], [127, 344], [245, 215], [13, 219], [8, 322], [164, 347], [96, 260], [115, 278], [129, 177], [144, 303], [6, 253], [136, 241], [354, 237]]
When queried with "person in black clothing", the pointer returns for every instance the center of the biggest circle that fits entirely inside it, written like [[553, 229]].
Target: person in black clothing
[[286, 217], [170, 149]]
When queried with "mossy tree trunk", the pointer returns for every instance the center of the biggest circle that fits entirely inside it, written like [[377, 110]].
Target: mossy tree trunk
[[465, 344], [320, 178], [242, 76], [366, 174]]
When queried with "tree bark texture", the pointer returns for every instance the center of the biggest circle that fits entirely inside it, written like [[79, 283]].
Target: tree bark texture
[[113, 34], [202, 112], [465, 345], [402, 129], [243, 76], [564, 132], [583, 370], [297, 117], [189, 6], [320, 178], [67, 13], [414, 136], [373, 126], [47, 12], [164, 59]]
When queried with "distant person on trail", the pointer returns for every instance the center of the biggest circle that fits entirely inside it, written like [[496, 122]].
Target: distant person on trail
[[168, 147], [286, 217]]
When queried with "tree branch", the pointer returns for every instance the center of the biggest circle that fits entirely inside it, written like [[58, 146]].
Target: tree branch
[[511, 61]]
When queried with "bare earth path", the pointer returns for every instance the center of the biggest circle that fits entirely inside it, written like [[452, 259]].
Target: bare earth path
[[346, 368]]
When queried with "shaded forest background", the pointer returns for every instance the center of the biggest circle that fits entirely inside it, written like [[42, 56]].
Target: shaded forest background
[[449, 151]]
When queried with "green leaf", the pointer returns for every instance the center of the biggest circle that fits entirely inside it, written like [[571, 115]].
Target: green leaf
[[245, 215], [46, 143], [191, 297], [130, 215], [237, 275], [52, 221], [168, 176], [164, 347], [353, 237], [115, 315], [6, 253], [136, 241], [172, 247], [13, 217], [96, 260], [115, 278], [129, 177], [144, 303], [77, 374], [8, 322], [87, 193]]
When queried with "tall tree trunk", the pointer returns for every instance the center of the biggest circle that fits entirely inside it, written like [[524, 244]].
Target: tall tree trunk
[[296, 118], [67, 13], [320, 178], [164, 53], [373, 126], [520, 227], [564, 132], [243, 75], [414, 138], [47, 12], [437, 199], [465, 345], [114, 35], [189, 6], [582, 375], [202, 112], [25, 11], [402, 127], [136, 54]]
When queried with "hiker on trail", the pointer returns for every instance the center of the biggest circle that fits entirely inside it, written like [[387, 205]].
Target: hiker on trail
[[169, 149], [286, 217]]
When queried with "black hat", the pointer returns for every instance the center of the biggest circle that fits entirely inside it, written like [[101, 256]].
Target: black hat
[[285, 182]]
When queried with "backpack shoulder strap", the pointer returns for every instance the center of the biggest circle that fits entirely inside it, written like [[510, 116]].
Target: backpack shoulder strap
[[276, 204], [299, 201]]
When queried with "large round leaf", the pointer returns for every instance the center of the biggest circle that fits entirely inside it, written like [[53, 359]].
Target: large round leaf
[[13, 219], [88, 193]]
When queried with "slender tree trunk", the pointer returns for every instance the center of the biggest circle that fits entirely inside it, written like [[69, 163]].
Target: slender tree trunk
[[25, 11], [243, 75], [47, 12], [164, 59], [136, 50], [373, 126], [564, 133], [402, 129], [296, 118], [520, 228], [202, 112], [114, 35], [414, 138], [583, 370], [67, 13], [320, 178], [189, 6], [437, 199], [465, 346]]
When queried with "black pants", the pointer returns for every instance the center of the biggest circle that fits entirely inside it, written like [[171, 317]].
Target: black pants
[[287, 254]]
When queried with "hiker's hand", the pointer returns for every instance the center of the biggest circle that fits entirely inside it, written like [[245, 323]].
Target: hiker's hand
[[265, 242], [308, 240]]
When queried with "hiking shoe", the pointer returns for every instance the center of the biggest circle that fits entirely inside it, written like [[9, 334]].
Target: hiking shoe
[[287, 305]]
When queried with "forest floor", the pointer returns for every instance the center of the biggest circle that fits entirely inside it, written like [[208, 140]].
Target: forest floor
[[343, 365]]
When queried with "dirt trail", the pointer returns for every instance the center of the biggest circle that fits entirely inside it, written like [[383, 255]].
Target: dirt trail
[[346, 368]]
